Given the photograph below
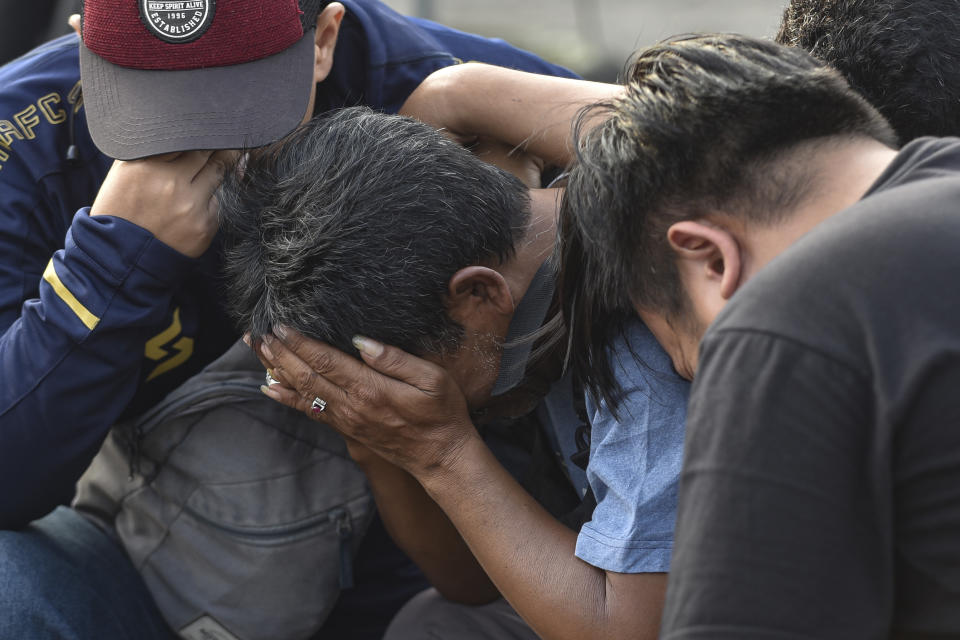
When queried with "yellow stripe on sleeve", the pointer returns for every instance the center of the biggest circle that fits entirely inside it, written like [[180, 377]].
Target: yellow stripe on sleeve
[[87, 318]]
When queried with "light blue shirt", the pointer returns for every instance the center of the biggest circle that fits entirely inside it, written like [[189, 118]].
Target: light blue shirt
[[635, 461]]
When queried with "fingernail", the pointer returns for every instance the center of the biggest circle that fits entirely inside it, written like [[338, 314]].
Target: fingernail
[[246, 339], [367, 346], [280, 331], [267, 391], [266, 351]]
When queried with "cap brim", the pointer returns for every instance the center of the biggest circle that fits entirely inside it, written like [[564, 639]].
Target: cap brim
[[133, 113]]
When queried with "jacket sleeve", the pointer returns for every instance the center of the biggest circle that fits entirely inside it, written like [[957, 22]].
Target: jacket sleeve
[[74, 321], [79, 295]]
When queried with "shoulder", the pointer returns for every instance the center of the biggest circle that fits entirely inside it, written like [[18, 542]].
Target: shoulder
[[653, 401], [635, 460], [53, 65], [398, 40], [39, 95], [644, 373], [382, 56]]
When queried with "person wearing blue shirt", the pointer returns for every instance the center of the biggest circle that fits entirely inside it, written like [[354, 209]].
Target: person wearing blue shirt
[[635, 459], [108, 271], [608, 582], [635, 455]]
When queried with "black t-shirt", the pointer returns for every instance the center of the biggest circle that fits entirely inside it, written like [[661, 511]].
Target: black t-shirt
[[820, 496]]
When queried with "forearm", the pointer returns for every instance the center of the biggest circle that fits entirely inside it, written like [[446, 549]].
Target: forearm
[[414, 414], [529, 555], [522, 109], [71, 360], [424, 532]]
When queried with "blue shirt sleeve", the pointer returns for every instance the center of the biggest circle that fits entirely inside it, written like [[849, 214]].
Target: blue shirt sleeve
[[382, 56], [71, 360], [79, 295], [635, 461]]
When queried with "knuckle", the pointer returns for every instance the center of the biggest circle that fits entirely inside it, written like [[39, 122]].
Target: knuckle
[[435, 383], [347, 415], [204, 229], [304, 382], [279, 372], [183, 208], [167, 188], [367, 391], [320, 361], [284, 375], [393, 359], [393, 422], [294, 341], [363, 395], [205, 236]]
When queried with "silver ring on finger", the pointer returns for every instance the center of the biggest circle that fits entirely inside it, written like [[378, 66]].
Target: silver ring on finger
[[318, 406]]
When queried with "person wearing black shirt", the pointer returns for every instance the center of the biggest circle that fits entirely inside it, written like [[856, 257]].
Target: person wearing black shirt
[[743, 186]]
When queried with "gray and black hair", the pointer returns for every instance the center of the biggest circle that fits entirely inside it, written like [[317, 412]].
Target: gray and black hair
[[706, 123], [902, 55], [355, 223]]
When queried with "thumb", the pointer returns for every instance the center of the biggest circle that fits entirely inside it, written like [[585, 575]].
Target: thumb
[[399, 365]]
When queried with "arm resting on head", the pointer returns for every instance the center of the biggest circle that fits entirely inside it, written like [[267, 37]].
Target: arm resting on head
[[522, 109]]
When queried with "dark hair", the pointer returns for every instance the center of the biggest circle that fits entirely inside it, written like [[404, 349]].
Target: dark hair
[[900, 54], [310, 10], [356, 222], [698, 128]]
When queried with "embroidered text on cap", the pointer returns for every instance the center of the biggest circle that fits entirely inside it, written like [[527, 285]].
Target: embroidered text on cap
[[177, 21]]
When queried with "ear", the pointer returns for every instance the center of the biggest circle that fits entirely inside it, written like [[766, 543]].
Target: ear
[[478, 295], [709, 252], [328, 28]]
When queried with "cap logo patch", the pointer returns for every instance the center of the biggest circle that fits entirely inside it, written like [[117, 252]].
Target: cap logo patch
[[177, 21]]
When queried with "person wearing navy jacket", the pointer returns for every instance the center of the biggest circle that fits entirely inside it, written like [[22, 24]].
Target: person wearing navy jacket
[[109, 294]]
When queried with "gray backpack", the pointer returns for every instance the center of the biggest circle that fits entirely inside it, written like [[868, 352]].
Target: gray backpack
[[241, 515]]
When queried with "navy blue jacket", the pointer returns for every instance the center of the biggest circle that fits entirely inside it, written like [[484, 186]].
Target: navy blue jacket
[[100, 319]]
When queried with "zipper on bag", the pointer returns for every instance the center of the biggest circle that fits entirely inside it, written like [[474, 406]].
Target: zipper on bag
[[345, 532]]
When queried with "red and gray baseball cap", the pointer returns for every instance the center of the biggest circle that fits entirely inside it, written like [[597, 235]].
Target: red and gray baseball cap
[[173, 75]]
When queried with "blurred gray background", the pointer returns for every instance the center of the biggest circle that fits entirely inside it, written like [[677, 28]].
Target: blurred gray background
[[595, 37], [592, 37]]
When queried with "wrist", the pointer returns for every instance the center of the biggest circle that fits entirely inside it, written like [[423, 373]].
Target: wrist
[[452, 467]]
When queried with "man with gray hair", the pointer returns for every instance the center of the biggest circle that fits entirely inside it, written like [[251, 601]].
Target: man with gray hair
[[363, 228]]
